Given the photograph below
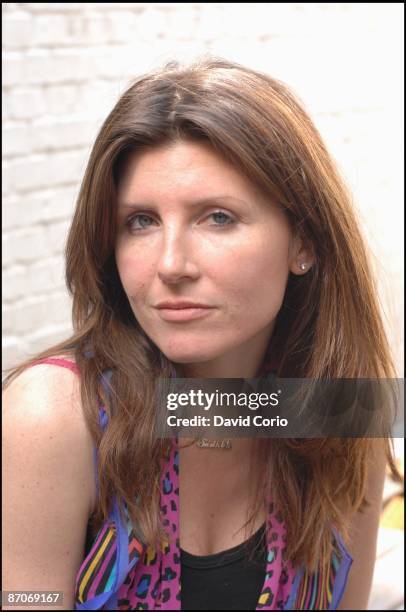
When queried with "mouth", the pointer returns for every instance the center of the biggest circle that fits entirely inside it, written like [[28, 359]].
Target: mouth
[[188, 313]]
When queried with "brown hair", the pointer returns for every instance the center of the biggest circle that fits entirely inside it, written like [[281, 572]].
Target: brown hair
[[329, 324]]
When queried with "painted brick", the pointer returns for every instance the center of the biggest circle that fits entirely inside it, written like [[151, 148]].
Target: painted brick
[[66, 133], [14, 350], [17, 31], [38, 207], [50, 7], [14, 282], [40, 66], [152, 23], [34, 312], [23, 103], [47, 336], [41, 171], [37, 278], [24, 245], [53, 100], [45, 276], [53, 31], [56, 235]]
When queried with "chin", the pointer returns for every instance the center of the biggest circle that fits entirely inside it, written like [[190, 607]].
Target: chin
[[187, 356], [189, 353]]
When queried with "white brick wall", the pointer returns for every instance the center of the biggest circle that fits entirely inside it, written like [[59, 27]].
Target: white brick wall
[[65, 64]]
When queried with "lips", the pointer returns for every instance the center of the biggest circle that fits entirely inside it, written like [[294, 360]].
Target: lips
[[183, 311], [178, 305]]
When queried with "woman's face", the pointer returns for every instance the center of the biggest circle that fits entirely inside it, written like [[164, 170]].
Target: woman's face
[[191, 228]]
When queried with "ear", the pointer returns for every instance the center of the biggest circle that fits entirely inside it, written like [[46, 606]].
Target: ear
[[301, 256]]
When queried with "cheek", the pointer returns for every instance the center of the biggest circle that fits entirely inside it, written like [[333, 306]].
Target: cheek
[[273, 266], [256, 275], [134, 274], [271, 286]]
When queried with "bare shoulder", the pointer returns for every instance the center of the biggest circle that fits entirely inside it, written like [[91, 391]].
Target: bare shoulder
[[42, 383], [48, 481], [42, 406]]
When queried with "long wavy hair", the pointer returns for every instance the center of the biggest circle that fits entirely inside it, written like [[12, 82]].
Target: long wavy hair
[[329, 325]]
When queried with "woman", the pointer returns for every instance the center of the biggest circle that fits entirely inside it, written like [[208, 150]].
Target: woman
[[213, 238]]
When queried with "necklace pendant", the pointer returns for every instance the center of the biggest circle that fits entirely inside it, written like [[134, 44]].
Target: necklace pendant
[[223, 444]]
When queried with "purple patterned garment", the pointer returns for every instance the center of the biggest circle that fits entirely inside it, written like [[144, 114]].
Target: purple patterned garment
[[121, 573], [160, 572], [134, 577]]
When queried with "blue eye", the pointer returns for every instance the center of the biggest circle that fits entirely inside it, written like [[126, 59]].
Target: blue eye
[[222, 218], [141, 222]]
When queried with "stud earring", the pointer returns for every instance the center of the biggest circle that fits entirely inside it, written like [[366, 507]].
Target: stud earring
[[303, 266]]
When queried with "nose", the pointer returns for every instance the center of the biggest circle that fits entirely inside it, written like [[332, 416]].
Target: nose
[[176, 259]]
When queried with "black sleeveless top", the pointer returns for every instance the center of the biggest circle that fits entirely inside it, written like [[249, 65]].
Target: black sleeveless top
[[227, 580]]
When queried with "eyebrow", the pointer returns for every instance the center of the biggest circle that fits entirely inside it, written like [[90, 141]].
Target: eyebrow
[[199, 202]]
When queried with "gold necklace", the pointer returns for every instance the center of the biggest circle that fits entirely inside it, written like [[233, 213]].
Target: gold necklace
[[223, 444]]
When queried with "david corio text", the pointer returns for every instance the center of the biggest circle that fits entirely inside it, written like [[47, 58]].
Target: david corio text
[[219, 421]]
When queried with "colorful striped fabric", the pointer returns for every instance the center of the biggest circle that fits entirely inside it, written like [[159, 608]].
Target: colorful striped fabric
[[315, 591], [98, 573]]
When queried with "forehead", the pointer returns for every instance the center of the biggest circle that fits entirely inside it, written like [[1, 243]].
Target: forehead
[[179, 168]]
